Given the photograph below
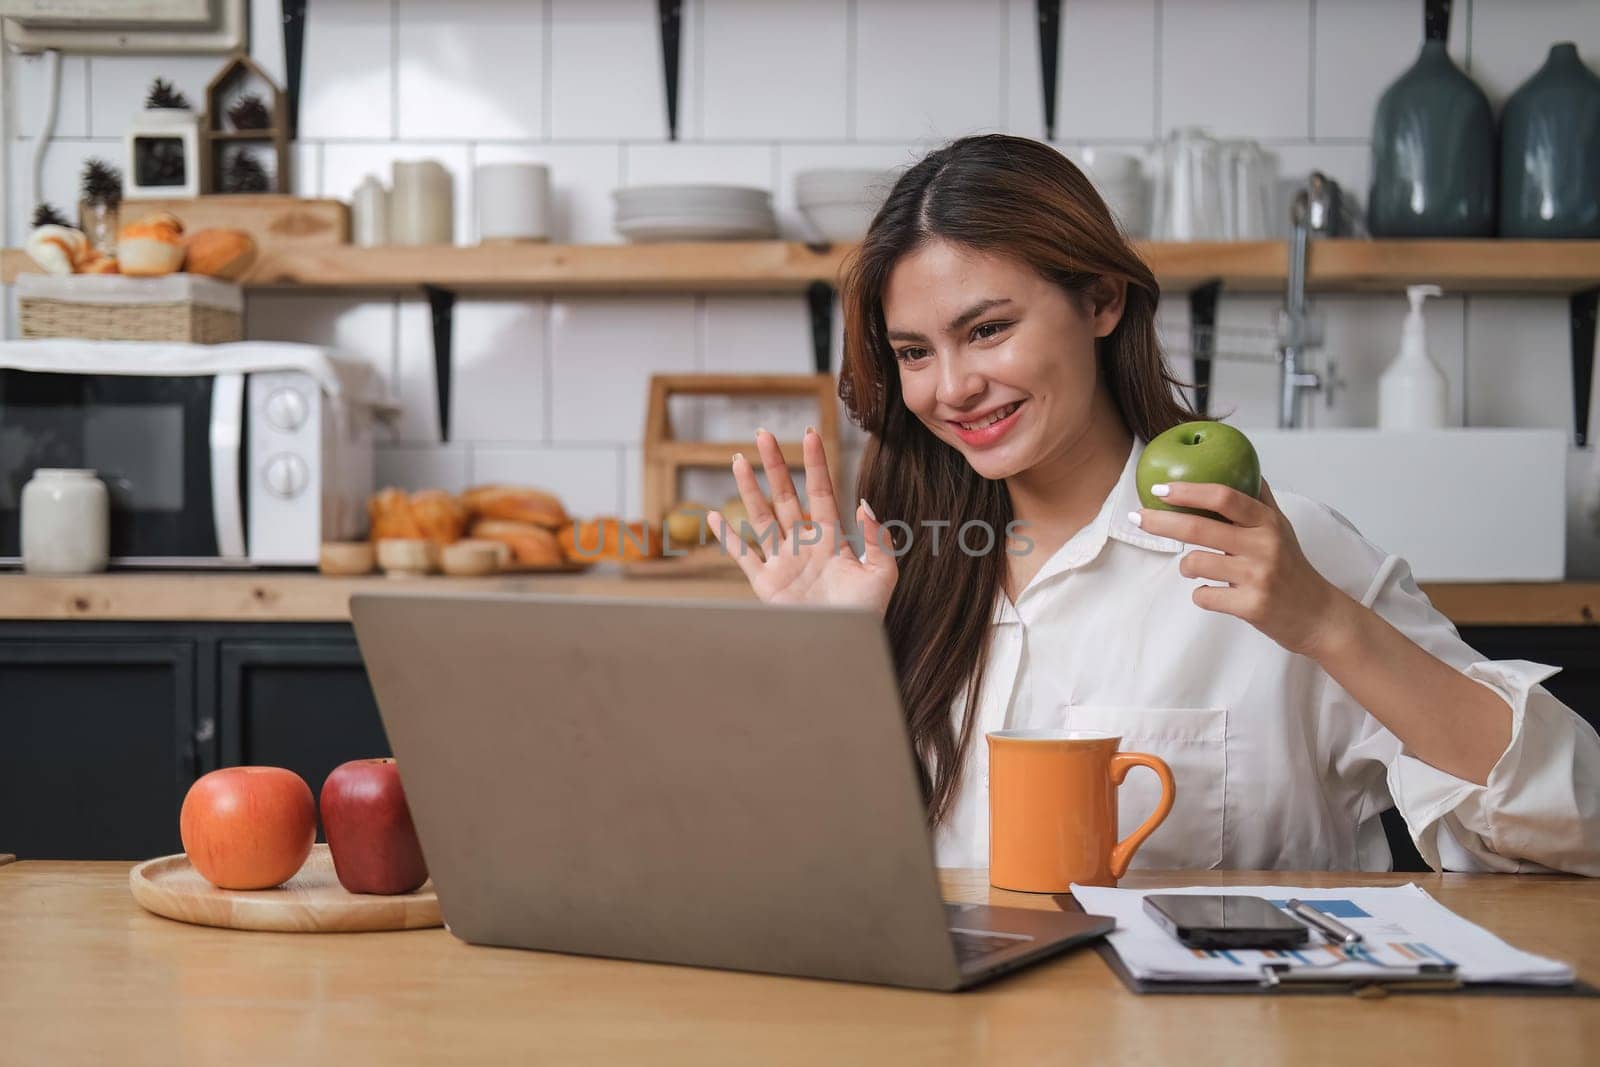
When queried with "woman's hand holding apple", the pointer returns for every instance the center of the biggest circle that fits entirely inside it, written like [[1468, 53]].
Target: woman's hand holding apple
[[1271, 584], [801, 561]]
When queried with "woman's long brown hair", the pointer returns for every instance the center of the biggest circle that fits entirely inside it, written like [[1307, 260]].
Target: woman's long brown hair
[[999, 195]]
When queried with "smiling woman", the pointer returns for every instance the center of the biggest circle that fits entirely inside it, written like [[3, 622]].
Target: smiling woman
[[1000, 349]]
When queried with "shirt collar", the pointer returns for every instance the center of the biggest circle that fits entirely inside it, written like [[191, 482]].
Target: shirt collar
[[1087, 544], [1126, 495]]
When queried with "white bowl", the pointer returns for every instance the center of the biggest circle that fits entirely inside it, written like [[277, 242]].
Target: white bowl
[[846, 220], [677, 198], [696, 228], [843, 184]]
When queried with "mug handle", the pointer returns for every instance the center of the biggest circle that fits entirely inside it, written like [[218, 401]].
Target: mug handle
[[1121, 764]]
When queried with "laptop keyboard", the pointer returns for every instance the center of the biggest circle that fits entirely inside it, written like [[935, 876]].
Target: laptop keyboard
[[970, 947]]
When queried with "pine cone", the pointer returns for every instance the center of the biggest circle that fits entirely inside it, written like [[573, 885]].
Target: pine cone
[[102, 183], [163, 95], [244, 174], [250, 113], [47, 215]]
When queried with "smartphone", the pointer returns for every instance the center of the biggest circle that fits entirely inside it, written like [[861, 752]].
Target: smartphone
[[1222, 921]]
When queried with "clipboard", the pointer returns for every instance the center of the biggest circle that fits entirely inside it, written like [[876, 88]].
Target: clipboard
[[1287, 983]]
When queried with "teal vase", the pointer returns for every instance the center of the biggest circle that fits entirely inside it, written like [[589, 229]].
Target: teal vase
[[1550, 151], [1433, 152]]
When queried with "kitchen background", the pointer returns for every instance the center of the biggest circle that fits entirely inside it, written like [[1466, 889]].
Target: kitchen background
[[551, 391]]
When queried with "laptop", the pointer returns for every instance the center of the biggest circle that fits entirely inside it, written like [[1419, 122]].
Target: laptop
[[720, 784]]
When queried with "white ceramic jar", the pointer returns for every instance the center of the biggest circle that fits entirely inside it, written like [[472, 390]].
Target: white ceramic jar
[[66, 522], [421, 198], [513, 202]]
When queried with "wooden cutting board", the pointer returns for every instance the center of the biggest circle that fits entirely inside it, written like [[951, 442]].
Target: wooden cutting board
[[312, 901], [278, 223]]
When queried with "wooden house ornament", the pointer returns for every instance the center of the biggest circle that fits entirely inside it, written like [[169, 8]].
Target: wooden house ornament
[[226, 141]]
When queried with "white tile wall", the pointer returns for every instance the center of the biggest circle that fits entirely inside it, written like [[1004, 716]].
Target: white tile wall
[[603, 351], [412, 468], [1102, 94], [554, 390], [605, 71], [774, 70], [1510, 39], [674, 164], [357, 328], [1518, 369], [1240, 67], [587, 479], [29, 91], [348, 86], [1361, 47], [928, 77], [63, 168], [472, 68], [498, 388], [118, 86]]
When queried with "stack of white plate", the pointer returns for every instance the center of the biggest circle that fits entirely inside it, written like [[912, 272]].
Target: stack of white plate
[[840, 204], [694, 213]]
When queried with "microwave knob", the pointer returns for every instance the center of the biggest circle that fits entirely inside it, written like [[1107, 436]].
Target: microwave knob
[[286, 475], [286, 409]]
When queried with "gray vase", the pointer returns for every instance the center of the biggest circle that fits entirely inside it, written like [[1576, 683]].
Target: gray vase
[[1550, 151], [1433, 153]]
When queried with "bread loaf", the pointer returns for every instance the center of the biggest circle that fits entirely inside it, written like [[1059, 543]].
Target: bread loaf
[[151, 246], [517, 503], [220, 253], [389, 515], [530, 545], [440, 516], [610, 539]]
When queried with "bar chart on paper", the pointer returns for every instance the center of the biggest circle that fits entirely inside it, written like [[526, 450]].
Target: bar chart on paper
[[1403, 930], [1384, 943]]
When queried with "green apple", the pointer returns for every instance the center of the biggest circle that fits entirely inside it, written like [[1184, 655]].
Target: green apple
[[1198, 452]]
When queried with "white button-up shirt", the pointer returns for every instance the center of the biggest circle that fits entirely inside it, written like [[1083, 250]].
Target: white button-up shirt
[[1277, 767]]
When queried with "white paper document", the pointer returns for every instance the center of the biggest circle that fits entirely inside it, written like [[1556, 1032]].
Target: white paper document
[[1402, 927]]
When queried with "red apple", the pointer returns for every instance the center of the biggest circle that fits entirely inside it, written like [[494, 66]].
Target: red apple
[[369, 829], [248, 827]]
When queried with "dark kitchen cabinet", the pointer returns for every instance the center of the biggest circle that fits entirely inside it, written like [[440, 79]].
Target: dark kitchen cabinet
[[304, 705], [96, 746], [103, 726]]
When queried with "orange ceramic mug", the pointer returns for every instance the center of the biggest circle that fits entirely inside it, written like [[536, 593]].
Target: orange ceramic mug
[[1053, 808]]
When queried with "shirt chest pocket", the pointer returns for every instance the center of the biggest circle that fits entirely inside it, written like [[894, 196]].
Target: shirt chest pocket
[[1194, 743]]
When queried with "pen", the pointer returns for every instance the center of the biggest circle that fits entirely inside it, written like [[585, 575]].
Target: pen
[[1332, 928]]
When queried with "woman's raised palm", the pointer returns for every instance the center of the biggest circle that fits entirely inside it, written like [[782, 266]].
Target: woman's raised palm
[[798, 561]]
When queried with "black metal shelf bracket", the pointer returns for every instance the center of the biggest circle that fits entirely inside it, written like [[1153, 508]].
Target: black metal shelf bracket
[[819, 297], [1582, 307], [442, 306], [1049, 56], [671, 12], [1203, 341], [294, 54]]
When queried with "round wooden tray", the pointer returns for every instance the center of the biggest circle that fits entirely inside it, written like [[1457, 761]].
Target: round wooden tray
[[312, 901]]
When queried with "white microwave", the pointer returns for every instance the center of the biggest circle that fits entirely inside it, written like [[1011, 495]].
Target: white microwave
[[227, 469]]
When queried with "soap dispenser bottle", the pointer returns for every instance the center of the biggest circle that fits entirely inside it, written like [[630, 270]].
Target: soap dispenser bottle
[[1413, 391]]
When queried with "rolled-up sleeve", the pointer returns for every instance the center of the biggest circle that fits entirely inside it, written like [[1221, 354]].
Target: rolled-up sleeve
[[1540, 806]]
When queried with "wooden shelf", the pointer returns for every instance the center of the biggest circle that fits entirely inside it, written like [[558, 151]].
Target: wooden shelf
[[1338, 265]]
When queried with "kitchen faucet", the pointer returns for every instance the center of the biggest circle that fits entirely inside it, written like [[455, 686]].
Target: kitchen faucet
[[1299, 327]]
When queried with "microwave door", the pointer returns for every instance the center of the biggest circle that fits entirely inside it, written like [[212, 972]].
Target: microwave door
[[149, 438]]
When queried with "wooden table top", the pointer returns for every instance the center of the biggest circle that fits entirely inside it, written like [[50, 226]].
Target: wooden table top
[[297, 596], [86, 975]]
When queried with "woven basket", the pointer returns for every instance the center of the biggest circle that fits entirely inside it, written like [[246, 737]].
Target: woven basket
[[177, 308]]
